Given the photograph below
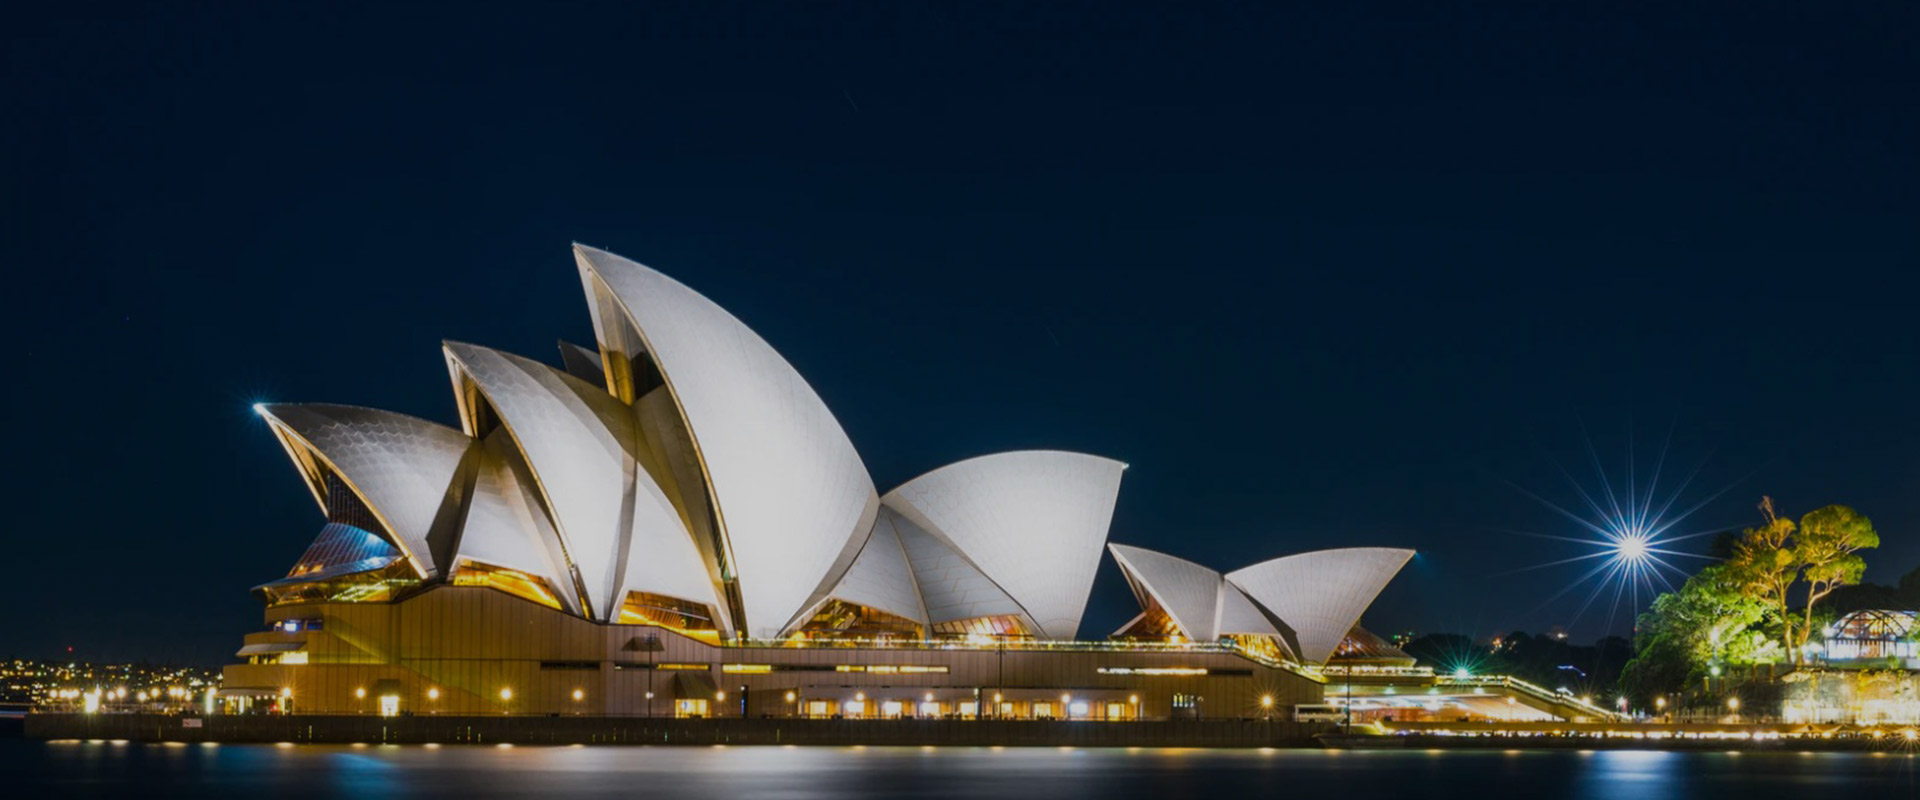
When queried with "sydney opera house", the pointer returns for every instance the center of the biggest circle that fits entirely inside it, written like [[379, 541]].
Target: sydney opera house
[[673, 523]]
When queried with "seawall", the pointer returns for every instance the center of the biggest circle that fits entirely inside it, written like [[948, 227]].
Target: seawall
[[661, 731]]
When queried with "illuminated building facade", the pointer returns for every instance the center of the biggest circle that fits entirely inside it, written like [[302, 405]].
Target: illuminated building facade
[[1872, 637], [673, 523]]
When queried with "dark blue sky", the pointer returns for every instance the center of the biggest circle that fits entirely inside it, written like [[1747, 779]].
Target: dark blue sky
[[1322, 277]]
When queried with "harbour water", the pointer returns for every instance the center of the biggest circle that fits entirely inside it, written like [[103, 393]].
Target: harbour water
[[130, 769]]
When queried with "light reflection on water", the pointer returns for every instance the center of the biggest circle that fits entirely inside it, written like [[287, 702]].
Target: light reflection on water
[[101, 769]]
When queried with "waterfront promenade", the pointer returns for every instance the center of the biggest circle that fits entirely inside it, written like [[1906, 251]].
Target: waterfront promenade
[[347, 729]]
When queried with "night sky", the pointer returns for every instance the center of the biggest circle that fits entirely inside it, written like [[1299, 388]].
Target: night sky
[[1322, 278]]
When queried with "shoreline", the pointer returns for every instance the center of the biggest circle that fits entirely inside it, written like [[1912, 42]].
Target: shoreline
[[330, 729], [1211, 734]]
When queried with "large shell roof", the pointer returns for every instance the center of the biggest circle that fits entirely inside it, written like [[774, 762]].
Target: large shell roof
[[1188, 592], [1317, 597], [400, 466], [791, 494], [617, 527], [698, 464], [1033, 521], [1320, 595]]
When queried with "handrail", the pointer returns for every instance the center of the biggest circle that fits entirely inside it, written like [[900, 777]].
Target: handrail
[[1028, 645], [1510, 682]]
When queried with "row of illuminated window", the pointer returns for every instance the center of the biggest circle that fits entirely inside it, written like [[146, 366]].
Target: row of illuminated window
[[1182, 672], [759, 669], [871, 669], [879, 669]]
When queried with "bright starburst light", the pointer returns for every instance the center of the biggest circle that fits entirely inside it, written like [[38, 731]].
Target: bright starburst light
[[1631, 530]]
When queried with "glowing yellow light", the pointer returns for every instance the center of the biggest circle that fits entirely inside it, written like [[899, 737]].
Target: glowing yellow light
[[286, 691], [789, 697], [719, 695], [506, 694], [1266, 701], [360, 693], [433, 693], [1132, 698], [1733, 704], [578, 695]]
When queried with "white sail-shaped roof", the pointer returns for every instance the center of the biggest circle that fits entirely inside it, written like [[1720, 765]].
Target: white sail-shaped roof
[[1239, 615], [661, 558], [790, 493], [1187, 592], [582, 363], [880, 577], [400, 466], [951, 587], [505, 525], [1320, 595], [580, 444], [1034, 521]]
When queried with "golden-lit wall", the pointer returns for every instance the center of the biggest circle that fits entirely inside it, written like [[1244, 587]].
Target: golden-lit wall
[[466, 644]]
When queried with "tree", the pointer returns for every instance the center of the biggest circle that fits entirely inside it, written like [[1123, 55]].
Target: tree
[[1766, 566], [1826, 549], [1711, 619], [1821, 551]]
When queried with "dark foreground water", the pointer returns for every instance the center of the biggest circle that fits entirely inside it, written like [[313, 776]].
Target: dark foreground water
[[104, 769]]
